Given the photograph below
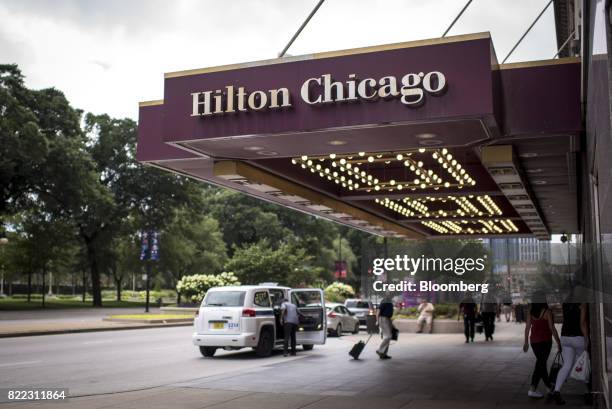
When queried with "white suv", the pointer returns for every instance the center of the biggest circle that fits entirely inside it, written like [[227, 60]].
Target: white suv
[[249, 316]]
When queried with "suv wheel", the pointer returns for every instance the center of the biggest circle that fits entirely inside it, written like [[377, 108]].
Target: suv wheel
[[265, 344], [307, 347], [356, 330], [339, 330], [208, 352]]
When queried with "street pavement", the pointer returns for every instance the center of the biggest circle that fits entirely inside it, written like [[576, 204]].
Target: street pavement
[[73, 315], [159, 368]]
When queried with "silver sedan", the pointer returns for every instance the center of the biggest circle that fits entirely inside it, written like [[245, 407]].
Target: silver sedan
[[340, 319]]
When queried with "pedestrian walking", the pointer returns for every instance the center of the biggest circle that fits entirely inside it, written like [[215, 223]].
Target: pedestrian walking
[[468, 309], [291, 320], [539, 331], [385, 312], [426, 312], [507, 309], [574, 341], [488, 309]]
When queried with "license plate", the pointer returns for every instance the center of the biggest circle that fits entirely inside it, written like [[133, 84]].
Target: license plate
[[218, 325]]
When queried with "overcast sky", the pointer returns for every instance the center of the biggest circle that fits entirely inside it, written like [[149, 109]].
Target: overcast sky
[[106, 55]]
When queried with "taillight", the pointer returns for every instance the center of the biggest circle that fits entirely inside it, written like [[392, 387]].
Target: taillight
[[332, 315], [371, 312], [248, 312]]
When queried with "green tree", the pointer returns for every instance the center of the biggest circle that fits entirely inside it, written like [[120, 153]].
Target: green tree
[[287, 265], [243, 220], [23, 145], [191, 244]]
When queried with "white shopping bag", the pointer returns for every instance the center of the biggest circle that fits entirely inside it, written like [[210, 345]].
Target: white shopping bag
[[582, 368]]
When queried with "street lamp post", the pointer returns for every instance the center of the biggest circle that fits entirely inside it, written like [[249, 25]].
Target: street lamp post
[[149, 252]]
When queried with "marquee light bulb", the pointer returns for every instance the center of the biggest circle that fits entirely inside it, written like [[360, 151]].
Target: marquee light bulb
[[421, 150], [304, 157], [400, 156], [332, 156], [361, 153], [370, 159]]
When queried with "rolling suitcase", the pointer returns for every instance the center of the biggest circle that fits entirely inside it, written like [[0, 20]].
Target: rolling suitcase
[[358, 348]]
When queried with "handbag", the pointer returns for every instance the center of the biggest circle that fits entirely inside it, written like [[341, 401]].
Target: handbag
[[555, 367], [394, 333], [582, 368]]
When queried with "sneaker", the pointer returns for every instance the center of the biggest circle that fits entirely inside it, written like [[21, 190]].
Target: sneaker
[[556, 397], [467, 340], [534, 394], [380, 355], [386, 356], [491, 338]]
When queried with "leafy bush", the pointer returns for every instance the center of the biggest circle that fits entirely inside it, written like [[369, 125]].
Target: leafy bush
[[338, 292], [194, 287]]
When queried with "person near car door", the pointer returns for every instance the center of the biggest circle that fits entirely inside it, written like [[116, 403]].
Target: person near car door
[[385, 312], [290, 319]]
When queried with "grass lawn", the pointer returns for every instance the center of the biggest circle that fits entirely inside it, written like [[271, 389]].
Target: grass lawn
[[151, 316], [11, 304]]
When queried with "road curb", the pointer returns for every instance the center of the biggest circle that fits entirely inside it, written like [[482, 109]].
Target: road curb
[[78, 330]]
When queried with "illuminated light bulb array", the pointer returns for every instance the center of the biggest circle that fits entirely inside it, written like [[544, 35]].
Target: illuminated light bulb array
[[509, 225], [454, 168], [416, 205], [426, 177], [436, 227], [454, 227], [342, 172], [395, 206], [466, 206], [468, 227], [490, 226], [489, 205], [327, 173]]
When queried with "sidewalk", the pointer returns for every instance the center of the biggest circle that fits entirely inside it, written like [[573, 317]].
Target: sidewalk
[[436, 371]]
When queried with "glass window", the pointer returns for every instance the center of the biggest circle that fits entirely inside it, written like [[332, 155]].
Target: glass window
[[277, 296], [338, 309], [224, 299], [305, 298], [261, 299]]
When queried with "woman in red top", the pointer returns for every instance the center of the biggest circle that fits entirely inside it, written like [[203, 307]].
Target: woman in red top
[[540, 329]]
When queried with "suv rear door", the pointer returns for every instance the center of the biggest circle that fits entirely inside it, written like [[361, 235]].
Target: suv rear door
[[313, 323], [220, 312]]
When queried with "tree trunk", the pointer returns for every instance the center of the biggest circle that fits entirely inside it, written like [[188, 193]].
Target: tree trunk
[[96, 289], [29, 286], [84, 285], [118, 285], [43, 287]]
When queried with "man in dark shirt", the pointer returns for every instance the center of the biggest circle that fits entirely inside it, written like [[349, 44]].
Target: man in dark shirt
[[385, 312], [468, 309]]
